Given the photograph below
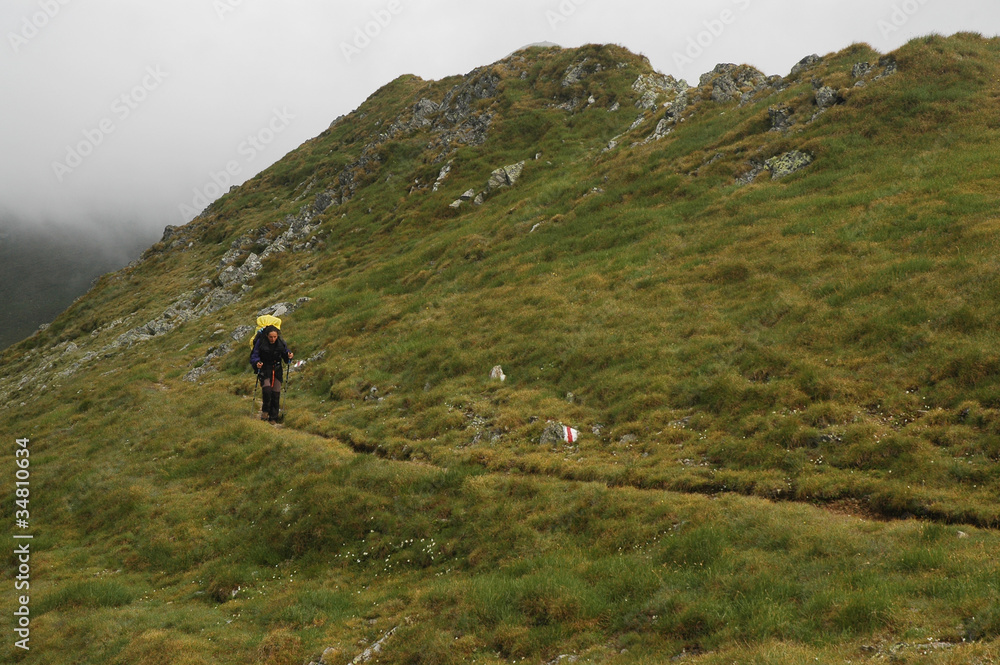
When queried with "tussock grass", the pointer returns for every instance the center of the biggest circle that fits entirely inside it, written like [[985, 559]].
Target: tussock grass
[[786, 393]]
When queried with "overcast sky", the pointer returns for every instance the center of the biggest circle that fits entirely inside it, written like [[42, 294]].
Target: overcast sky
[[126, 112]]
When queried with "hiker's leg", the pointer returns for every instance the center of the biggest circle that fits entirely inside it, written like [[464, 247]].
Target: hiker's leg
[[275, 400], [267, 396]]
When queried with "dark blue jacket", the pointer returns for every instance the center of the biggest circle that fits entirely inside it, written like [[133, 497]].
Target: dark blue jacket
[[272, 355]]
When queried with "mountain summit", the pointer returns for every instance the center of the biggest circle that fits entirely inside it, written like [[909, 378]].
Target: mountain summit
[[598, 365]]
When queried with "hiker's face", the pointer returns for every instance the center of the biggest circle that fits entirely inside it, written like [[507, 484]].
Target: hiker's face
[[272, 337]]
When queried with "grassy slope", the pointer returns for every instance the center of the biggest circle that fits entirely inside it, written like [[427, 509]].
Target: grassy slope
[[823, 338]]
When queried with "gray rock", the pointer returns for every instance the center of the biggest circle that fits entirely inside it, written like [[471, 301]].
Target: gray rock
[[724, 89], [805, 63], [241, 332], [860, 69], [781, 118], [244, 273], [731, 81], [230, 257], [889, 63], [445, 170], [663, 127], [422, 110], [551, 435], [827, 97], [651, 87], [169, 232], [324, 201], [788, 163], [574, 73]]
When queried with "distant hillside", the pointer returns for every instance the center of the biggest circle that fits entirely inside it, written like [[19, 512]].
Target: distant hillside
[[44, 271], [599, 367]]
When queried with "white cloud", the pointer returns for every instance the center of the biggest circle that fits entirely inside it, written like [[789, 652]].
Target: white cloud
[[229, 64]]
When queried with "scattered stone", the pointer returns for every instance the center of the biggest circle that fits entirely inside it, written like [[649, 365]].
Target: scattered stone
[[889, 63], [497, 373], [241, 332], [445, 170], [756, 168], [335, 656]]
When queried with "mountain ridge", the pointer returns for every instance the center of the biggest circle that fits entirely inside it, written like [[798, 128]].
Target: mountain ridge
[[762, 303]]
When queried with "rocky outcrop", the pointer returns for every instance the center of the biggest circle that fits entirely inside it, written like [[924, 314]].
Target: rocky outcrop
[[453, 122], [203, 366], [503, 177], [294, 233], [779, 166], [788, 163], [653, 88], [827, 97], [865, 72], [579, 71], [731, 81], [805, 64]]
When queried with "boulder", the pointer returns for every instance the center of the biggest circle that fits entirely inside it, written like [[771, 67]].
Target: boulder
[[827, 97], [804, 64], [731, 81], [788, 163]]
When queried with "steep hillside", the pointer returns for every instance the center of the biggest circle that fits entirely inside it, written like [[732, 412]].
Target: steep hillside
[[763, 303], [45, 270]]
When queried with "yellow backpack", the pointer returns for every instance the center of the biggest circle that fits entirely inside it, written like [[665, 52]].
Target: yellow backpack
[[263, 322]]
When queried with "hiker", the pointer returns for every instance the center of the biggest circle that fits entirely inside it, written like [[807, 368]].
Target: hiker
[[266, 357]]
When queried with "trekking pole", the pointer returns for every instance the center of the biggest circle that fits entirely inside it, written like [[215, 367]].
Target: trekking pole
[[284, 388], [253, 404]]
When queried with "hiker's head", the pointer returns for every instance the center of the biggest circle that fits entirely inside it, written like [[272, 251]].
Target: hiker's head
[[272, 336]]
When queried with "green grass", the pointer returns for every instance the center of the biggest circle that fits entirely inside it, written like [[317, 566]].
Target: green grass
[[786, 392]]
